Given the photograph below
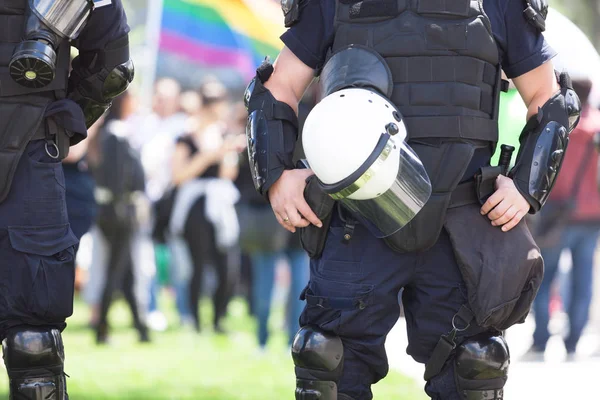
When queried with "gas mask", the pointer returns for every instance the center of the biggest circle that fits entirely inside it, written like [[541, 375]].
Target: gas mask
[[48, 23]]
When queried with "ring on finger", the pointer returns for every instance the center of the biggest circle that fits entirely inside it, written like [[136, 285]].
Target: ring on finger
[[286, 219]]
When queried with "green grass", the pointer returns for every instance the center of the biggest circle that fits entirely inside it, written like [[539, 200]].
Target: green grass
[[181, 364]]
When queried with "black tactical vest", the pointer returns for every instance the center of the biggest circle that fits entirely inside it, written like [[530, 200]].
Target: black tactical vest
[[443, 58], [22, 109], [447, 78]]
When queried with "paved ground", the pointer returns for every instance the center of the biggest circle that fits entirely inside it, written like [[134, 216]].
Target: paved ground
[[553, 379]]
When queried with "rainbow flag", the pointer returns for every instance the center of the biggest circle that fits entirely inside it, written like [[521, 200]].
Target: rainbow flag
[[219, 33]]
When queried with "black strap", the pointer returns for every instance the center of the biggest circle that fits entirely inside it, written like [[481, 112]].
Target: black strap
[[282, 111], [369, 9], [465, 127], [464, 194], [447, 343], [337, 303], [492, 394]]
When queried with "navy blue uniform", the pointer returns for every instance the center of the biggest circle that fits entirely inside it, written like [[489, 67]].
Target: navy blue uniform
[[354, 286], [36, 242]]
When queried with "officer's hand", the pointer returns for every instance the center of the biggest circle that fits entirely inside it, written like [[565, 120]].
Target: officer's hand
[[287, 200], [506, 207]]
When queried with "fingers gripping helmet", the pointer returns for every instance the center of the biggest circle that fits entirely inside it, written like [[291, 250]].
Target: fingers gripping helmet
[[355, 143]]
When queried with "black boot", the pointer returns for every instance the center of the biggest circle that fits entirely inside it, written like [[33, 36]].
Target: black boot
[[34, 359]]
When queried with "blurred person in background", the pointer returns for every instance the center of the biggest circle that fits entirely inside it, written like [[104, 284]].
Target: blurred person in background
[[205, 163], [153, 136], [79, 182], [95, 280], [175, 249], [119, 194], [237, 124], [570, 220], [191, 104]]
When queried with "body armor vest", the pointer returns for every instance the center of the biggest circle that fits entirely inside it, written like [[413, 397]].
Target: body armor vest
[[443, 58], [22, 109], [446, 75]]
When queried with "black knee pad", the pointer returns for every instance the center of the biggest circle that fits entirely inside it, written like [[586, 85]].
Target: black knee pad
[[481, 367], [34, 359], [319, 360]]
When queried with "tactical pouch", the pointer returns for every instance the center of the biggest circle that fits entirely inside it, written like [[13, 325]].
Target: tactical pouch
[[446, 163], [485, 180], [502, 270], [19, 124], [313, 238]]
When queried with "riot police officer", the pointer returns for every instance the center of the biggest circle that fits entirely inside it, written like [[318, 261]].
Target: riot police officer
[[468, 265], [45, 106]]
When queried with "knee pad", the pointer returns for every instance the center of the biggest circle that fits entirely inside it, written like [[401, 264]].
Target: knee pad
[[481, 367], [34, 359], [318, 358]]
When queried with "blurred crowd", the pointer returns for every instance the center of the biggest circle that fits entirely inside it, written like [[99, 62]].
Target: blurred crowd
[[168, 206]]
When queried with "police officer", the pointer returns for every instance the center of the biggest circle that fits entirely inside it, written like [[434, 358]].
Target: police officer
[[457, 257], [44, 108]]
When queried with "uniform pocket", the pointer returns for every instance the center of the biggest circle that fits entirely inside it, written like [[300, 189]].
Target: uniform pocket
[[327, 302], [44, 281], [45, 168]]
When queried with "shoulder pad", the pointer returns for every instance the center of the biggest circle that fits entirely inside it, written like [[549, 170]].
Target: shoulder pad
[[536, 12], [291, 11]]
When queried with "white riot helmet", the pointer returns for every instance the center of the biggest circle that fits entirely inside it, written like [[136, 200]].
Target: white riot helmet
[[355, 143]]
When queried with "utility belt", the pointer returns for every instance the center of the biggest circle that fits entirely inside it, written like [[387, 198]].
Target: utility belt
[[313, 239], [446, 164], [502, 271]]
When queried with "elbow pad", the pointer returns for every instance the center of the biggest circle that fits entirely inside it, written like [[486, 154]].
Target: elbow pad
[[544, 141], [98, 77], [272, 131]]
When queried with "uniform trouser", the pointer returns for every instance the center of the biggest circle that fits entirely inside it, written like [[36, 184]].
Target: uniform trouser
[[353, 293], [37, 266]]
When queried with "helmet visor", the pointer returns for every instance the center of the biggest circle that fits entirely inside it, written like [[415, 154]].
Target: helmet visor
[[390, 193]]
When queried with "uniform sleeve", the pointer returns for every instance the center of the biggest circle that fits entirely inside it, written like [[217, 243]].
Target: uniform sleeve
[[310, 38], [107, 23], [525, 48]]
